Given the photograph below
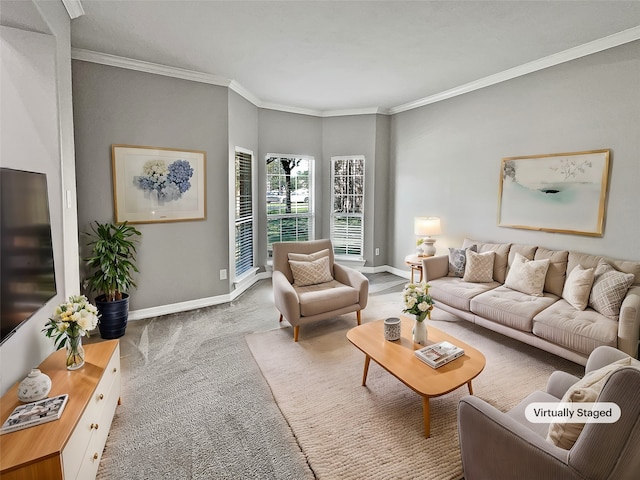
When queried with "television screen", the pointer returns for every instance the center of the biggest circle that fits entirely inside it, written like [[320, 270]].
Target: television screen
[[27, 273]]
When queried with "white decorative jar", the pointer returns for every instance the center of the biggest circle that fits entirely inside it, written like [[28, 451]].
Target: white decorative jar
[[36, 386], [392, 329]]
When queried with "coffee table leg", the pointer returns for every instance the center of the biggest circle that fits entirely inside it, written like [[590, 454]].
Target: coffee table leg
[[470, 387], [367, 359], [427, 417]]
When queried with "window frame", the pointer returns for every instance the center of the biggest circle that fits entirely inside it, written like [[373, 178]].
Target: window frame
[[251, 218], [348, 215]]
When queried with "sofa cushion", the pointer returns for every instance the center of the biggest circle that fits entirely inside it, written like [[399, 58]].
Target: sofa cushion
[[458, 260], [457, 293], [527, 251], [557, 272], [609, 289], [564, 435], [479, 268], [527, 276], [310, 273], [501, 260], [320, 298], [578, 287], [510, 307], [578, 330]]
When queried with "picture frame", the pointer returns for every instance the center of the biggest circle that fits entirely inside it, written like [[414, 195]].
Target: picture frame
[[559, 192], [157, 184]]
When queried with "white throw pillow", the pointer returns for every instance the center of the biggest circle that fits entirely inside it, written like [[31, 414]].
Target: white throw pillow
[[564, 435], [479, 268], [609, 289], [578, 287], [310, 273], [527, 276]]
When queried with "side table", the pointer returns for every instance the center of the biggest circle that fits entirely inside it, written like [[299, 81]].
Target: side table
[[415, 263]]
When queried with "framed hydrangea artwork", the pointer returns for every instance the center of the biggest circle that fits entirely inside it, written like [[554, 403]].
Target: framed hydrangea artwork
[[562, 192], [155, 184]]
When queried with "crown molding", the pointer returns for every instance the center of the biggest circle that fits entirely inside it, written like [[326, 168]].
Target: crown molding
[[605, 43], [74, 8], [148, 67]]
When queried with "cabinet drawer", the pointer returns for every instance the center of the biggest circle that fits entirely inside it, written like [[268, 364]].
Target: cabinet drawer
[[78, 454]]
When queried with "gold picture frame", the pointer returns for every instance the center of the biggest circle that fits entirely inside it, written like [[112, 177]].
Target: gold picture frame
[[559, 192], [157, 184]]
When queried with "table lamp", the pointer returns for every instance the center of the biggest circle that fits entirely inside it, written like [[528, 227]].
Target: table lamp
[[425, 227]]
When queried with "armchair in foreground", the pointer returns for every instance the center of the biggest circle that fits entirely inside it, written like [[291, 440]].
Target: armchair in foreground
[[497, 445], [308, 286]]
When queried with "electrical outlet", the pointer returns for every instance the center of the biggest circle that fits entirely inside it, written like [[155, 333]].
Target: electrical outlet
[[377, 251], [223, 274]]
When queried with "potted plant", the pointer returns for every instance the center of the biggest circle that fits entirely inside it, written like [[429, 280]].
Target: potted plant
[[112, 259]]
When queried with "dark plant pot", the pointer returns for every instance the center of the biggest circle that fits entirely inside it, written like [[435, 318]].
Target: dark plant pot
[[113, 316]]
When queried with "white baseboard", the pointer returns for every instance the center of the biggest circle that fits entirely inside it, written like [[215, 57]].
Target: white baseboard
[[240, 288]]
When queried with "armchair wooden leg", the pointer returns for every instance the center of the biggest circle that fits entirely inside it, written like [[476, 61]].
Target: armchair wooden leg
[[296, 330], [280, 318], [359, 317]]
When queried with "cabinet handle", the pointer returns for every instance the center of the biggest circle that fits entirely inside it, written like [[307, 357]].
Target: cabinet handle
[[115, 369], [101, 396], [95, 456], [94, 426]]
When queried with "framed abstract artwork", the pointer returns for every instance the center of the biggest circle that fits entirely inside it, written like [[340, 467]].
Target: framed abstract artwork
[[155, 184], [560, 192]]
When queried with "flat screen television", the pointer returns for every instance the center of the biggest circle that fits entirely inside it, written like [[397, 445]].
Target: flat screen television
[[27, 273]]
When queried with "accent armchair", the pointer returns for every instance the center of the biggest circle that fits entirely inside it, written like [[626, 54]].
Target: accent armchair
[[342, 290], [498, 445]]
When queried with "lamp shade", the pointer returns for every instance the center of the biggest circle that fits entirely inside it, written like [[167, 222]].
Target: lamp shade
[[425, 226]]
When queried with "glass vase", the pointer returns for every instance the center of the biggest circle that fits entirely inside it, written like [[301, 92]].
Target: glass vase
[[420, 331], [75, 353]]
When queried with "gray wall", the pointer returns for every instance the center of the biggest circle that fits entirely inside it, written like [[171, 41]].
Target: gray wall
[[178, 261], [446, 157]]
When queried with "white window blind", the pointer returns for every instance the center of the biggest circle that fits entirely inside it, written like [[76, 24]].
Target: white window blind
[[290, 209], [243, 213], [347, 201]]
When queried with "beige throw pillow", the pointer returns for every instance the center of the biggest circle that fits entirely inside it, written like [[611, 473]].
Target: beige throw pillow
[[302, 257], [564, 435], [310, 273], [479, 268], [609, 289], [527, 276], [578, 287]]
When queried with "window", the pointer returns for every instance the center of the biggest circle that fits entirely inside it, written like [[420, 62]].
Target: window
[[243, 212], [289, 199], [347, 202]]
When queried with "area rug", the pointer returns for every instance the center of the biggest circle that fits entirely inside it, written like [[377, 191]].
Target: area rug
[[347, 431]]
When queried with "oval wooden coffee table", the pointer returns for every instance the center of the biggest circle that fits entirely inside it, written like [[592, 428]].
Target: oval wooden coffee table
[[398, 359]]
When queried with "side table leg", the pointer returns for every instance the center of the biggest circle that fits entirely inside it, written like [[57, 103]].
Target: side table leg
[[427, 417], [367, 359], [470, 387]]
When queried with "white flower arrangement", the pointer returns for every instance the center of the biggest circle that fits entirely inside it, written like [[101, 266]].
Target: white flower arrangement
[[75, 318], [417, 300]]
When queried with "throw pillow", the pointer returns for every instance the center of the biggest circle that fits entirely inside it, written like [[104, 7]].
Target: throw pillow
[[458, 260], [310, 273], [578, 286], [302, 257], [564, 435], [527, 276], [609, 289], [479, 268]]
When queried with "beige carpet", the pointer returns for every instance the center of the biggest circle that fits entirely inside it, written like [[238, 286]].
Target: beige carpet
[[348, 431]]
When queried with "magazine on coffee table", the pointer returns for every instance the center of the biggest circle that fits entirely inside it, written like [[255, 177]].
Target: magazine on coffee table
[[35, 413], [439, 354]]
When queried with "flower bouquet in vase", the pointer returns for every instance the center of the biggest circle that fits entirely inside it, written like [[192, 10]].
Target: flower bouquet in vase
[[419, 303], [70, 322]]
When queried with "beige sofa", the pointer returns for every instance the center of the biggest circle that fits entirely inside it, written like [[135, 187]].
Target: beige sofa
[[547, 321]]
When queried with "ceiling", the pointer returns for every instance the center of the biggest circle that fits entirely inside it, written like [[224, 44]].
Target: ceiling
[[347, 55]]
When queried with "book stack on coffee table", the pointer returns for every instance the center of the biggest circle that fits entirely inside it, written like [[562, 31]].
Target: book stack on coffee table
[[439, 354]]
